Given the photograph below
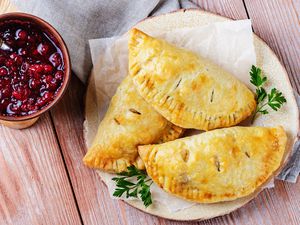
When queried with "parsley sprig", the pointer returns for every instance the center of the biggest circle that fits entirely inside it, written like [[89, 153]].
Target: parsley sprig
[[275, 99], [140, 189]]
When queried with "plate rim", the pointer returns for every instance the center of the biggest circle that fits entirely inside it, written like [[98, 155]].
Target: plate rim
[[132, 203]]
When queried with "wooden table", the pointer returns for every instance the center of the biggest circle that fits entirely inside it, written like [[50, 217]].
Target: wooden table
[[43, 180]]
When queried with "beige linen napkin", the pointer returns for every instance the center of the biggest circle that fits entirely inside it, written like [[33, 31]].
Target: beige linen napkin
[[78, 21]]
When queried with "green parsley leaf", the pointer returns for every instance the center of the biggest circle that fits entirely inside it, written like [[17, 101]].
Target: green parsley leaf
[[275, 99], [261, 94], [256, 76], [140, 189], [134, 193], [146, 194], [119, 192], [263, 111]]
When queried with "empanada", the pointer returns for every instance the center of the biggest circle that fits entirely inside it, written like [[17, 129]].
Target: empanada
[[188, 90], [219, 165], [129, 122]]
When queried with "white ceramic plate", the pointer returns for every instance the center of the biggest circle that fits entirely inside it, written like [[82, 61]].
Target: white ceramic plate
[[266, 59]]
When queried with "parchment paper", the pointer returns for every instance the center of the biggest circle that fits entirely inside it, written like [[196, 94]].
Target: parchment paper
[[229, 44]]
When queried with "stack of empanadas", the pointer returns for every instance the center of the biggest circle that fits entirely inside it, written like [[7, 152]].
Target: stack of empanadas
[[169, 89], [128, 123]]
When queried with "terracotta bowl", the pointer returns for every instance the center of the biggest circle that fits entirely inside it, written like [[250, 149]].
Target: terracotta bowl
[[20, 122]]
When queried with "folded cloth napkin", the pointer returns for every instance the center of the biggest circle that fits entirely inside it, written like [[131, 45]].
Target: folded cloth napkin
[[78, 21], [291, 171]]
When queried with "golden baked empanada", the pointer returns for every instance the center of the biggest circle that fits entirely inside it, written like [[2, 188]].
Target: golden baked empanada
[[219, 165], [188, 90], [129, 122]]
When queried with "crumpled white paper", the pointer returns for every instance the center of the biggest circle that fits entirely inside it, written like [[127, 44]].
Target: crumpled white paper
[[228, 44], [158, 195]]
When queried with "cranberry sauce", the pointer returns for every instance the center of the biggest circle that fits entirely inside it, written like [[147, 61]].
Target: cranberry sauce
[[31, 73]]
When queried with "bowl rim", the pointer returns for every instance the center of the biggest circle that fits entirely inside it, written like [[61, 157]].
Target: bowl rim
[[67, 62]]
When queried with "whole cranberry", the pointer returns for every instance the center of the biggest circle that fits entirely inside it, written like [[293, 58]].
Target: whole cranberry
[[37, 76], [37, 38], [59, 75], [4, 82], [32, 68], [24, 67], [24, 107], [55, 59], [34, 83], [40, 102], [13, 108], [36, 68], [3, 71], [52, 85], [47, 96], [39, 68], [22, 35], [17, 95], [23, 77], [48, 79], [21, 93], [6, 92], [43, 48], [9, 63], [22, 51], [30, 39], [13, 55], [18, 60], [15, 80], [30, 101], [14, 68], [48, 68], [32, 107], [35, 52], [26, 92]]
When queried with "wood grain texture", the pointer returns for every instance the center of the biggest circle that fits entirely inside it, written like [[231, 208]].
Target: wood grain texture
[[230, 8], [278, 23], [34, 187], [94, 203], [275, 206]]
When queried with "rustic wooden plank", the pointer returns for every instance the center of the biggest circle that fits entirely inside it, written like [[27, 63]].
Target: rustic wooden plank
[[230, 8], [94, 203], [277, 22], [34, 187], [92, 196]]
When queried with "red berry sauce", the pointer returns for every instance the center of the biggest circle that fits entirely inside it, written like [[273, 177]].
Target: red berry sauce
[[32, 72]]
